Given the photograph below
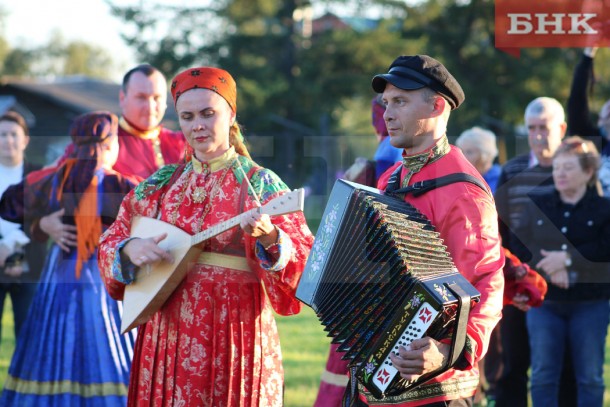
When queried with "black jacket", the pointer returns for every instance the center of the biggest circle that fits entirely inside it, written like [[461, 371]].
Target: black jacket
[[517, 180], [583, 230], [35, 252]]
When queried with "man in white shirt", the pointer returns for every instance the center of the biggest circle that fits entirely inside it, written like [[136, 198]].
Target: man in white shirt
[[18, 271]]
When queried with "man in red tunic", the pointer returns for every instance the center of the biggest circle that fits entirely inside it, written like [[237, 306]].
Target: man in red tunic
[[144, 145], [419, 94]]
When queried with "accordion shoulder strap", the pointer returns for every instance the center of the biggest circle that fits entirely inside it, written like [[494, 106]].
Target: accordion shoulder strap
[[421, 187], [459, 333]]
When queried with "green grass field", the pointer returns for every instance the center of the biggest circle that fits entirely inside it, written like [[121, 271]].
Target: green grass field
[[304, 347], [8, 340]]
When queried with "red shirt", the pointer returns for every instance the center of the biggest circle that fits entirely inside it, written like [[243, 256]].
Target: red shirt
[[137, 155], [466, 218]]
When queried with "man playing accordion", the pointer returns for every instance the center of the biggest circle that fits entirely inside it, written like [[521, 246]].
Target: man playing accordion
[[419, 94]]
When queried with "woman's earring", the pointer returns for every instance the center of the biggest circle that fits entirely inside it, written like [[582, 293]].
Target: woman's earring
[[188, 153]]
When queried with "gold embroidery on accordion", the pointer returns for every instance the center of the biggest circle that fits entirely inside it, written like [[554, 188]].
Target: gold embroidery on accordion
[[379, 276]]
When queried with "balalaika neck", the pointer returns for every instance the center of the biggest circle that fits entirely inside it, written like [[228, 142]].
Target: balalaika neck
[[220, 227]]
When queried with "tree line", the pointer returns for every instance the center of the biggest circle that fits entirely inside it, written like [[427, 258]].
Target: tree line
[[321, 80], [297, 80]]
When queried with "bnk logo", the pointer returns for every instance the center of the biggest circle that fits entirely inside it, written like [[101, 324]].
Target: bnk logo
[[556, 23], [552, 24]]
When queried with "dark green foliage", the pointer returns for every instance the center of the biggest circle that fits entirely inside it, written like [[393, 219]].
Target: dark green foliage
[[320, 84]]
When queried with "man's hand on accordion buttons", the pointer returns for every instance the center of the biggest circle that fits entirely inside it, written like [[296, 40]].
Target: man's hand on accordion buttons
[[422, 356]]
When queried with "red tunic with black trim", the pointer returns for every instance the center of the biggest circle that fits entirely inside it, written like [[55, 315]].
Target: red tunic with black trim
[[466, 218], [214, 342]]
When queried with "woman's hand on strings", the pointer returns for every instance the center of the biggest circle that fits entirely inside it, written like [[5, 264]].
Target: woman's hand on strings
[[259, 225], [147, 251]]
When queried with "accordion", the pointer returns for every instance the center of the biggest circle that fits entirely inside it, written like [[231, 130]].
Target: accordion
[[378, 277]]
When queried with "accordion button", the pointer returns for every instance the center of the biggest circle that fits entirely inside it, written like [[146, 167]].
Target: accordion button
[[564, 247], [590, 223], [564, 229], [566, 214]]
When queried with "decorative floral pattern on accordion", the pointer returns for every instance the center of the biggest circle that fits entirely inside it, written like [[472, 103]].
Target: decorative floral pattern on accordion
[[371, 366], [322, 242]]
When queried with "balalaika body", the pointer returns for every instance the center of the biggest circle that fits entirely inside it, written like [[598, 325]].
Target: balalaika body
[[378, 277]]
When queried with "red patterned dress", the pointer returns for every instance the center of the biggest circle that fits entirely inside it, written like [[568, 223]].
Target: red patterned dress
[[214, 342]]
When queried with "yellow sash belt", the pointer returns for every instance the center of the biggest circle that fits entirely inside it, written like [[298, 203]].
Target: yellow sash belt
[[224, 260]]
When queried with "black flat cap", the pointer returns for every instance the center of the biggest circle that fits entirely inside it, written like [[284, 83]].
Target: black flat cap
[[413, 72]]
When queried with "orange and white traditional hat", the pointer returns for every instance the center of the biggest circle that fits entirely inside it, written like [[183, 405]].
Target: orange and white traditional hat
[[206, 77]]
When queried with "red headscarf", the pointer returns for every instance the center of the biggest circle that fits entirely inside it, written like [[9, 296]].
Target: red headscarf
[[205, 77]]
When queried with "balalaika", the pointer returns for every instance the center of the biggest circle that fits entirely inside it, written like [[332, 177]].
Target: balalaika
[[378, 277]]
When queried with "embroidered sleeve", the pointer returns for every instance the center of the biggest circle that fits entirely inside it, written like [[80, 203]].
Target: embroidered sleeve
[[275, 257], [265, 183], [114, 272], [123, 270], [280, 267]]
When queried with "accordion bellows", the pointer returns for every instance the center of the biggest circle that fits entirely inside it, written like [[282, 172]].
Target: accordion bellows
[[378, 276]]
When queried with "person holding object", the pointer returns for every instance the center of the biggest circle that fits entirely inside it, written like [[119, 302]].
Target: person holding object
[[70, 350], [214, 341], [419, 94]]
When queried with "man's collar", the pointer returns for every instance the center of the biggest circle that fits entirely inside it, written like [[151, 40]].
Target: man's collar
[[414, 163], [143, 134]]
